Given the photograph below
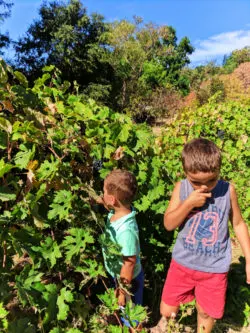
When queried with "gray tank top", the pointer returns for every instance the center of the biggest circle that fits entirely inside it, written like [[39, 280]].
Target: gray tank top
[[203, 242]]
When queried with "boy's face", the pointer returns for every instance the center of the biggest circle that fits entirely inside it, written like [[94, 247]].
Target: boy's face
[[109, 199], [206, 180]]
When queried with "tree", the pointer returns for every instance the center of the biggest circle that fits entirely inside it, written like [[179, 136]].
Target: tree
[[5, 7], [64, 36], [144, 58], [236, 58], [197, 75]]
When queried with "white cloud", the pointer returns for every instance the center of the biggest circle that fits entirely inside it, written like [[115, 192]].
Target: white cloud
[[219, 45]]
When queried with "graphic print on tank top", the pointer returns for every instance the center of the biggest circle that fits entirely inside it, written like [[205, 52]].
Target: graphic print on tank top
[[203, 231]]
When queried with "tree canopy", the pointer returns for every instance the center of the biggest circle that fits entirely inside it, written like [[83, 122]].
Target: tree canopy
[[236, 58], [112, 62], [64, 36]]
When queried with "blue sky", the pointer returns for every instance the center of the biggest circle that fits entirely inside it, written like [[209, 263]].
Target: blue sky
[[215, 27]]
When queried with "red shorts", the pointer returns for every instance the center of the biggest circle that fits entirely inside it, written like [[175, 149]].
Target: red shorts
[[183, 284]]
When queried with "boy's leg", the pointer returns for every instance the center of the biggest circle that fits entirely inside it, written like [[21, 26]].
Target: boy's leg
[[167, 312], [137, 288], [205, 323], [137, 298], [178, 289], [210, 295]]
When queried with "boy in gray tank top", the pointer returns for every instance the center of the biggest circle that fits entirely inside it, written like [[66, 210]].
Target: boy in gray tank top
[[200, 207]]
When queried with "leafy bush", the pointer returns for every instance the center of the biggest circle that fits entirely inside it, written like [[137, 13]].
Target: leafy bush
[[55, 151], [213, 87], [227, 124]]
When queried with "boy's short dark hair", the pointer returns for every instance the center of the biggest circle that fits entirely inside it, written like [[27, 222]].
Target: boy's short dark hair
[[122, 184], [201, 155]]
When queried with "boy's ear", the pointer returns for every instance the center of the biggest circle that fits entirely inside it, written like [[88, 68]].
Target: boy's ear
[[113, 200]]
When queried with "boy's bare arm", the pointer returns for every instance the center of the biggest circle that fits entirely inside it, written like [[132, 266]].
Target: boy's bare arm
[[240, 229], [127, 269], [126, 276], [178, 210]]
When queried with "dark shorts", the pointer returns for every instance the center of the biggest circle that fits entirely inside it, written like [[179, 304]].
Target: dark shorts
[[183, 284]]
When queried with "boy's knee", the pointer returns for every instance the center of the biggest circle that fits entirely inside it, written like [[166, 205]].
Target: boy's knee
[[201, 312], [168, 314], [203, 315], [168, 311]]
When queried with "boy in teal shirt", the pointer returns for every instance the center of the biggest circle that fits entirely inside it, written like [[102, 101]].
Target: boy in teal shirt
[[119, 190]]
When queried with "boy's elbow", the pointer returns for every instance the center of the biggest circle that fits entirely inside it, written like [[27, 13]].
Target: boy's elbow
[[129, 261], [167, 224], [169, 228], [239, 224]]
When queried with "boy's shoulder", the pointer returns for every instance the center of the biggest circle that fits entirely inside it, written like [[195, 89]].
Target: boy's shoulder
[[129, 224], [125, 222]]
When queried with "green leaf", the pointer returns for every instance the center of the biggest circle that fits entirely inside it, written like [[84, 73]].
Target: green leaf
[[83, 110], [6, 194], [144, 139], [103, 113], [72, 99], [143, 204], [109, 300], [50, 295], [49, 250], [5, 125], [40, 192], [3, 72], [104, 172], [91, 270], [94, 269], [61, 205], [3, 315], [28, 285], [117, 329], [65, 296], [47, 170], [41, 80], [124, 134], [135, 313], [5, 167], [156, 192], [48, 68], [248, 195], [21, 78], [55, 330], [76, 243], [3, 140], [23, 157], [108, 151]]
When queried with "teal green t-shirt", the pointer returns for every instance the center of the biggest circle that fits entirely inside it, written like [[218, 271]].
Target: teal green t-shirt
[[124, 233]]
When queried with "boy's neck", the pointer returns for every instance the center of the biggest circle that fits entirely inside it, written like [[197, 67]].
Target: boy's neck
[[120, 212]]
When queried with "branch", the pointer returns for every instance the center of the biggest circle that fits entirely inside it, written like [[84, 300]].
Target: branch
[[116, 316], [4, 253]]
